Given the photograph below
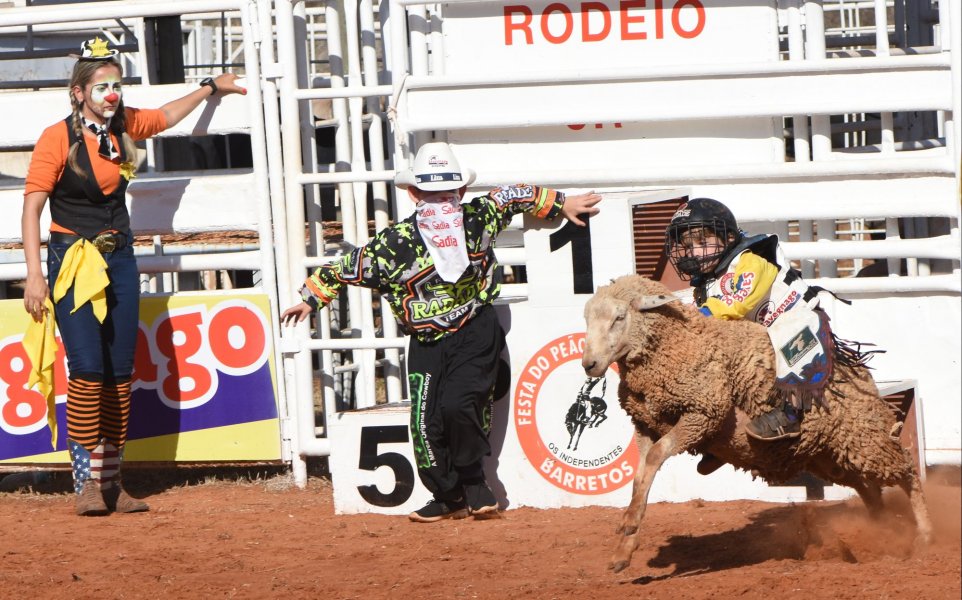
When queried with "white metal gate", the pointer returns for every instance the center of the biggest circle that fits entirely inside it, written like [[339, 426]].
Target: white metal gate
[[843, 166]]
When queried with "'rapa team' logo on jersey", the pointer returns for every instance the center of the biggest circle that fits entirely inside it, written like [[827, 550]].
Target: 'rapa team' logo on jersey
[[510, 193], [437, 304]]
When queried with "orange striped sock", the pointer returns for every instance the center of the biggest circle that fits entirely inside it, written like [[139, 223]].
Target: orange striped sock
[[83, 412], [116, 412]]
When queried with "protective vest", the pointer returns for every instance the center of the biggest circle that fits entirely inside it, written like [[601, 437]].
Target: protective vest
[[789, 291]]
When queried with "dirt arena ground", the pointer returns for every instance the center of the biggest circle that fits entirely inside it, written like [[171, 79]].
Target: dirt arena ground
[[253, 535]]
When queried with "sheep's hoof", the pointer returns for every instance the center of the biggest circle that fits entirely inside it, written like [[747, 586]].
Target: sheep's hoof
[[921, 541], [618, 566]]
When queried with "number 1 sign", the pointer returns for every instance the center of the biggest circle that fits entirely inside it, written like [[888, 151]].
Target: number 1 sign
[[565, 260]]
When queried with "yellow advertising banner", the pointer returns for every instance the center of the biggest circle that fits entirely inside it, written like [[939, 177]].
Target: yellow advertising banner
[[203, 384]]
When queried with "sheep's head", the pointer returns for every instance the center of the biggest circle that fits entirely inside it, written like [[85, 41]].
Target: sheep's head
[[612, 331]]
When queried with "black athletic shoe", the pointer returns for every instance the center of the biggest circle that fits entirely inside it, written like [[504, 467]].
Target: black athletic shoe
[[436, 510], [778, 424], [481, 501]]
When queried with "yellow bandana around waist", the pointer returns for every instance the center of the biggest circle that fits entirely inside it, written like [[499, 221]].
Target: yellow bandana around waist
[[84, 268]]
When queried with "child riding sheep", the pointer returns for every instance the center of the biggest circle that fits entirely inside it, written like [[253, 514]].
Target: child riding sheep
[[737, 276]]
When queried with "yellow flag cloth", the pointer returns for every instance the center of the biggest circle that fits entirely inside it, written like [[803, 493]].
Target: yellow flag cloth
[[84, 268], [40, 343]]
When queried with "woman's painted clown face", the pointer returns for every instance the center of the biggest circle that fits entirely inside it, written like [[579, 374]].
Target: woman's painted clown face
[[101, 97]]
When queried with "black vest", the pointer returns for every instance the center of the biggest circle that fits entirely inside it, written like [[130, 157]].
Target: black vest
[[80, 205]]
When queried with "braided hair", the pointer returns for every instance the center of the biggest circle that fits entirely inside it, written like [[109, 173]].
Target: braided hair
[[83, 72]]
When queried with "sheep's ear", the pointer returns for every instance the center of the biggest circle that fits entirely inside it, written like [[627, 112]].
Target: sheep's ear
[[650, 302]]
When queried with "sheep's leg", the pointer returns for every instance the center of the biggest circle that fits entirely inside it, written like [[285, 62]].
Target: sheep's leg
[[871, 495], [645, 444], [653, 455], [923, 525]]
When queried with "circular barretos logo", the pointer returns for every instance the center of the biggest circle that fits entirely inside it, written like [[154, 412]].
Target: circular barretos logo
[[570, 427]]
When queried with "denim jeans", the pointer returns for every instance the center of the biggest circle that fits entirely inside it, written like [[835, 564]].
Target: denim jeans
[[97, 350]]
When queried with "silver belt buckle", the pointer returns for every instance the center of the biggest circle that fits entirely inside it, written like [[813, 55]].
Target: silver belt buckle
[[105, 242]]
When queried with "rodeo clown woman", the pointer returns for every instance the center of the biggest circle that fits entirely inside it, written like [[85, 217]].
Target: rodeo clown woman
[[438, 272], [83, 165], [737, 276]]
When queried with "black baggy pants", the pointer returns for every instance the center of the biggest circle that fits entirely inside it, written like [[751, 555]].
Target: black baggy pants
[[452, 393]]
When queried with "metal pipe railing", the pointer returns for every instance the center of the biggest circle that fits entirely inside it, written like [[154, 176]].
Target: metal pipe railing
[[365, 380], [391, 365], [688, 174], [297, 374], [801, 134], [100, 11], [344, 158], [696, 71]]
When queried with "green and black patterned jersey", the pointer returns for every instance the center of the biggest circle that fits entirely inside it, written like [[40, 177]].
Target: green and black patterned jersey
[[397, 263]]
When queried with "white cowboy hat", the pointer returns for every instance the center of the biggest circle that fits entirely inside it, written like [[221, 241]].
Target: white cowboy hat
[[435, 169], [95, 49]]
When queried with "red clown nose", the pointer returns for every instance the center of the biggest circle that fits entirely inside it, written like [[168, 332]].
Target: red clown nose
[[111, 97]]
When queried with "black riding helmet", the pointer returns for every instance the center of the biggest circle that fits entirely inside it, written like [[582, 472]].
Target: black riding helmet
[[691, 221]]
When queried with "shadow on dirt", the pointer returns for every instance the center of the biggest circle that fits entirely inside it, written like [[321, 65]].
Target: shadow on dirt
[[761, 540], [839, 532]]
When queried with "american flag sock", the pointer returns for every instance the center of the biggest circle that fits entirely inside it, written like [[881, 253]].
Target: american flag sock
[[110, 473], [82, 463], [97, 462]]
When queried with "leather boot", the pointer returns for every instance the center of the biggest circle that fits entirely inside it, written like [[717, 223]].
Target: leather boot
[[779, 424], [90, 501], [116, 497], [118, 500]]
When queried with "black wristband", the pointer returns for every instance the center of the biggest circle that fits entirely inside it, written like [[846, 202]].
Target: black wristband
[[209, 81]]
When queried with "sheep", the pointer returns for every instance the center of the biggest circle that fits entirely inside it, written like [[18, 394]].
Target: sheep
[[690, 383]]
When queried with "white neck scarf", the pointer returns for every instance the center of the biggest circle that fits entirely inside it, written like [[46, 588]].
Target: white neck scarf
[[441, 223], [102, 132]]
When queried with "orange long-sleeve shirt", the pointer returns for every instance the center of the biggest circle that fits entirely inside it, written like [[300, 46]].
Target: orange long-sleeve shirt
[[50, 153]]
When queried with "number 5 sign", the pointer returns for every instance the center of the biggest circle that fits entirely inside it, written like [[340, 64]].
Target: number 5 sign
[[372, 463]]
